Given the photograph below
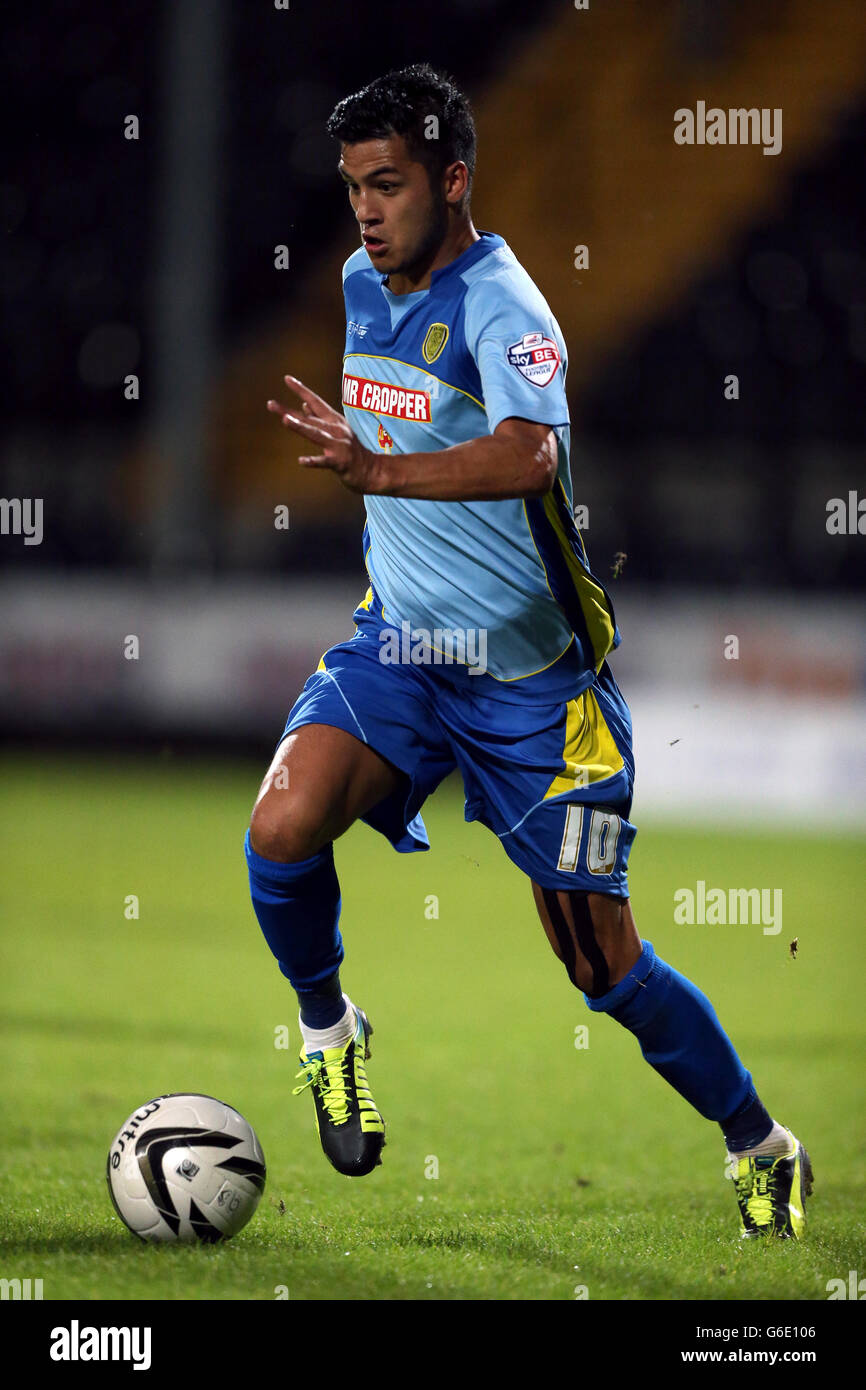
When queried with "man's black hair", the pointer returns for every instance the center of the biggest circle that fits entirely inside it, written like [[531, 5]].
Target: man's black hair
[[401, 103]]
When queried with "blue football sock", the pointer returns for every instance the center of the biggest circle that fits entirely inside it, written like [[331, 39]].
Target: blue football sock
[[323, 1005], [298, 909], [681, 1038], [748, 1125]]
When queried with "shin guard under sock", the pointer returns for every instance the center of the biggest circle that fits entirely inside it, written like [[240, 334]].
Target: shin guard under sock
[[298, 910], [681, 1038]]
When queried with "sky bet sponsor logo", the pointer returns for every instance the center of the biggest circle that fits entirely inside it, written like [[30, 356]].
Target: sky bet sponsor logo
[[76, 1343], [377, 396], [535, 357]]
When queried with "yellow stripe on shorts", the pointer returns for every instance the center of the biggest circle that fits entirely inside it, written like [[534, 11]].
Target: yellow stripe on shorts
[[590, 753]]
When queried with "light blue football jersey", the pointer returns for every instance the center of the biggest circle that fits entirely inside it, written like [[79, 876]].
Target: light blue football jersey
[[442, 366]]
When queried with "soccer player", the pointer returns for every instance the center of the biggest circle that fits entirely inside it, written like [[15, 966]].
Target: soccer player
[[481, 644]]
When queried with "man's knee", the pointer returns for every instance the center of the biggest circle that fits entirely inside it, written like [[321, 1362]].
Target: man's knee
[[320, 781], [283, 828]]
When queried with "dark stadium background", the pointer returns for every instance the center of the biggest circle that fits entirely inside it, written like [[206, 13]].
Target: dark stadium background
[[155, 256]]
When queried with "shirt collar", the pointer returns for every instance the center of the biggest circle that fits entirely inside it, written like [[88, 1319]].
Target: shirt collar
[[487, 242]]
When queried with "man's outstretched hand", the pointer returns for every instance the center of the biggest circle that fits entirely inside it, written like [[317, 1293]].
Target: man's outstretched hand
[[519, 459], [356, 466]]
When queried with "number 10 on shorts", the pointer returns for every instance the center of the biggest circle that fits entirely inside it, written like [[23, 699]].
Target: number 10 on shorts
[[604, 828]]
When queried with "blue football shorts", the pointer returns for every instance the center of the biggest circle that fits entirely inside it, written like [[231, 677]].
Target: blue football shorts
[[554, 782]]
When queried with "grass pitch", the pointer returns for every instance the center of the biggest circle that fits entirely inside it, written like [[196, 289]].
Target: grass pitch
[[564, 1171]]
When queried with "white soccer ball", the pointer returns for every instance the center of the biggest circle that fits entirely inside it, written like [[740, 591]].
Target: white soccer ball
[[185, 1168]]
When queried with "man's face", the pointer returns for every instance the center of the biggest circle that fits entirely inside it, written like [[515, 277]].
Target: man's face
[[402, 223]]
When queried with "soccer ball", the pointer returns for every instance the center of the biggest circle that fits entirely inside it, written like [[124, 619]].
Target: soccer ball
[[185, 1168]]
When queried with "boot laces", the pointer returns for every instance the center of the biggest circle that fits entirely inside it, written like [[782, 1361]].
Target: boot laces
[[331, 1081], [756, 1190]]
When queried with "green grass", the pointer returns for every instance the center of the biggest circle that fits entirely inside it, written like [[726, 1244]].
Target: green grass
[[558, 1167]]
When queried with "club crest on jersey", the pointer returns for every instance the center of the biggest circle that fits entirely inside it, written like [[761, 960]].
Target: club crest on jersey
[[385, 440], [536, 357], [437, 337]]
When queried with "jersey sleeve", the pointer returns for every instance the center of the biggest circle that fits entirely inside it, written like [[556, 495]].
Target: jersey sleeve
[[519, 351]]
